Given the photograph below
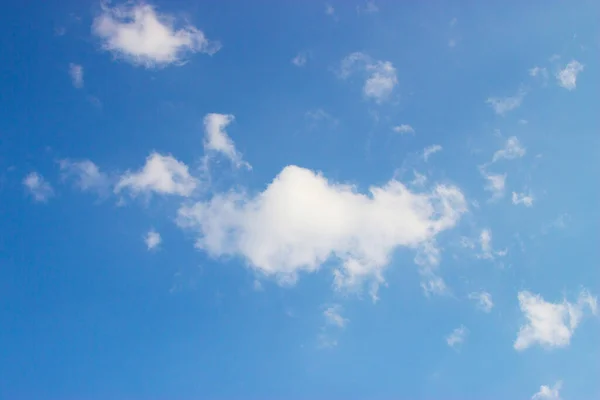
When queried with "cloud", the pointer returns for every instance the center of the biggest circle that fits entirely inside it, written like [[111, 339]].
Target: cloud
[[369, 8], [431, 150], [87, 175], [381, 75], [403, 129], [483, 299], [162, 175], [457, 337], [37, 187], [551, 324], [302, 220], [333, 316], [300, 59], [329, 10], [138, 34], [522, 198], [502, 105], [539, 72], [76, 73], [485, 241], [547, 393], [217, 140], [512, 149], [567, 77], [496, 184], [152, 239]]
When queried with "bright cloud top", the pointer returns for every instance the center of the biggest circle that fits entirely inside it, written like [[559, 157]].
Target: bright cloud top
[[302, 220], [162, 175], [567, 77], [138, 34], [381, 75], [37, 187], [551, 324], [548, 393], [217, 140]]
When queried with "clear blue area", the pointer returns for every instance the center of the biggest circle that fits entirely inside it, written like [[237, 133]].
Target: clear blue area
[[87, 312]]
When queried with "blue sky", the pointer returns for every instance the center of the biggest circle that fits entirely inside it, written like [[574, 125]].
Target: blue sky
[[353, 200]]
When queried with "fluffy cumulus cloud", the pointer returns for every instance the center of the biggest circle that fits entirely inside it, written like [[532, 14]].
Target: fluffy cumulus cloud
[[567, 77], [483, 300], [457, 337], [37, 187], [404, 129], [551, 324], [548, 393], [76, 73], [152, 239], [162, 175], [512, 149], [502, 105], [86, 174], [137, 33], [301, 220], [381, 78], [217, 140]]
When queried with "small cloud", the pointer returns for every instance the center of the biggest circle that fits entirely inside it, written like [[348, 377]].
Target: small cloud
[[496, 184], [381, 75], [457, 337], [430, 151], [152, 239], [76, 73], [37, 187], [329, 10], [548, 393], [217, 140], [87, 175], [567, 77], [522, 198], [539, 72], [161, 174], [320, 116], [485, 241], [483, 299], [502, 105], [137, 33], [551, 324], [512, 149], [333, 316], [300, 59], [369, 8], [404, 129]]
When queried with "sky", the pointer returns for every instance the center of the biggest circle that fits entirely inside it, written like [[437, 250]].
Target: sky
[[299, 200]]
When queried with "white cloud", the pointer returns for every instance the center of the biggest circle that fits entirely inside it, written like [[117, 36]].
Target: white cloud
[[37, 187], [522, 198], [381, 75], [404, 128], [87, 175], [302, 220], [567, 77], [152, 239], [485, 241], [76, 73], [512, 149], [539, 72], [431, 150], [160, 174], [551, 324], [300, 59], [496, 184], [334, 317], [548, 393], [216, 138], [140, 35], [457, 337], [483, 299], [502, 105]]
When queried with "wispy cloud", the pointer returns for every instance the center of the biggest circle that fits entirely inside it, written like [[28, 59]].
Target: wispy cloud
[[37, 187], [300, 59], [522, 198], [380, 75], [403, 129], [152, 239], [502, 105], [430, 150], [457, 337], [483, 299], [76, 73], [512, 149]]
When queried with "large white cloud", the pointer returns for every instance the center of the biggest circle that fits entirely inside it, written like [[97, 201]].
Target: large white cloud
[[302, 220], [140, 35], [162, 175], [551, 324]]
